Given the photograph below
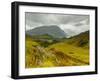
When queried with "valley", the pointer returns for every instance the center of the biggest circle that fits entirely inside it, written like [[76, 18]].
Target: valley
[[48, 51]]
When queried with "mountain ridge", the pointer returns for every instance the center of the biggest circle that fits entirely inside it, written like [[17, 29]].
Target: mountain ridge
[[52, 30]]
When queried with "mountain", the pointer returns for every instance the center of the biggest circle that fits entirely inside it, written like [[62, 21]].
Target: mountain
[[81, 40], [52, 30]]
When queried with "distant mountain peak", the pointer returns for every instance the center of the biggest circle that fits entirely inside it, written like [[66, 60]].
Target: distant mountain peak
[[52, 30]]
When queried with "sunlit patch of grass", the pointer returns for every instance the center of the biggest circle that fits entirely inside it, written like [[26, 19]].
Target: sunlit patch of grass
[[48, 63], [77, 52]]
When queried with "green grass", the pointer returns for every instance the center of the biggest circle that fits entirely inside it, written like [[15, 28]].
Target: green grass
[[72, 51], [68, 52]]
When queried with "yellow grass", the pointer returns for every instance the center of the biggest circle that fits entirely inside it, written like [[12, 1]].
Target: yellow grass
[[73, 51], [59, 54]]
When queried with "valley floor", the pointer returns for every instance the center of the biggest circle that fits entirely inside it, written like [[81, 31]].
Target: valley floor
[[55, 55]]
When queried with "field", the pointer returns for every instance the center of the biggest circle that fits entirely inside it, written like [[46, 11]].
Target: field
[[45, 51]]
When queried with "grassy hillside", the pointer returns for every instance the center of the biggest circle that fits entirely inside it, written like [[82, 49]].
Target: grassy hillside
[[67, 52], [71, 51], [81, 40]]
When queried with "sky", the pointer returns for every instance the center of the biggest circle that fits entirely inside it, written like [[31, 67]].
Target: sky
[[71, 24]]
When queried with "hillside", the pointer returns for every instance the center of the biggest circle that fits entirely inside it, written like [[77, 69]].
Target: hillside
[[81, 40], [72, 51], [51, 30]]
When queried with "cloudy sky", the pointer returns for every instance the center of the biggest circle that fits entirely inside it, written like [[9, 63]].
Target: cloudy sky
[[71, 24]]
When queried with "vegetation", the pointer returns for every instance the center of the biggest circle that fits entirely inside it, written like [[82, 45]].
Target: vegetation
[[46, 51]]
